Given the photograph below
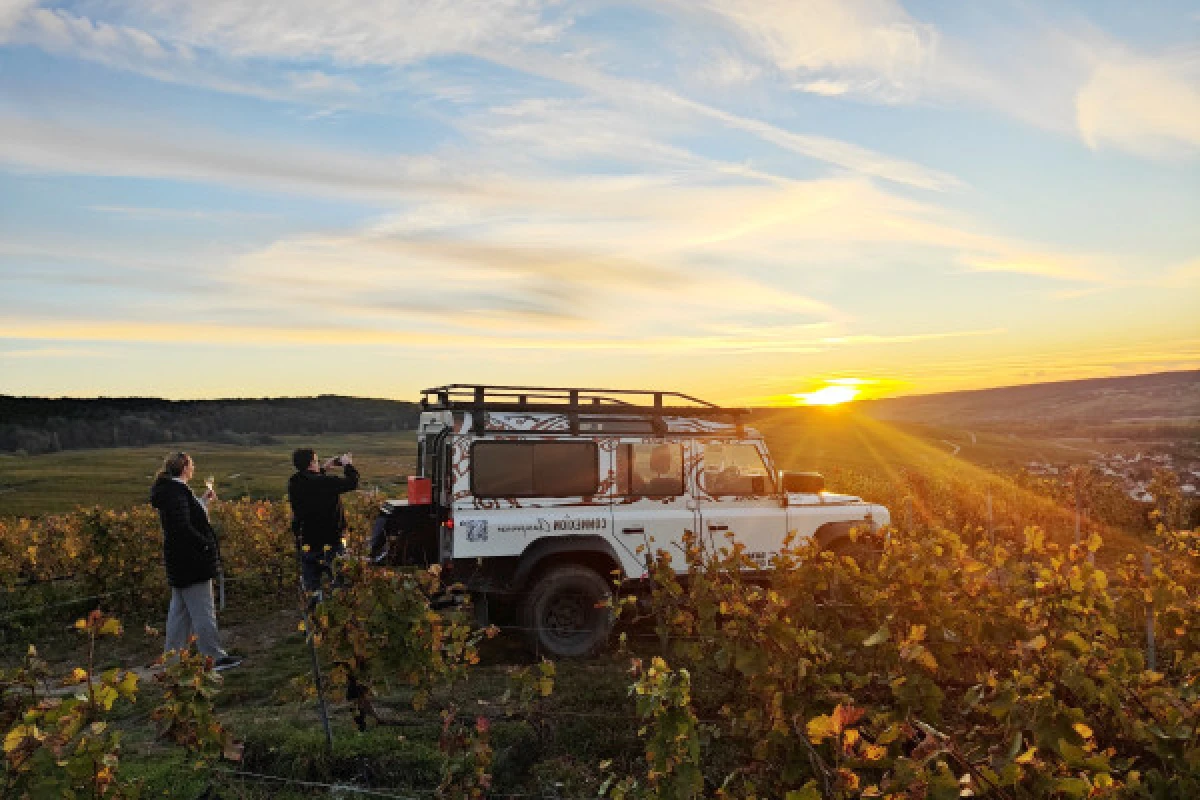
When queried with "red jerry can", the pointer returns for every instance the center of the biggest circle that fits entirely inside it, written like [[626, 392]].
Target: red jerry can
[[420, 491]]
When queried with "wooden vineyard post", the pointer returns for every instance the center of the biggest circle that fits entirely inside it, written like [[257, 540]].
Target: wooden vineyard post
[[310, 635]]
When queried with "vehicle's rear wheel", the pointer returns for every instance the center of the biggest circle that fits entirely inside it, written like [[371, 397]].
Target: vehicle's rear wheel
[[863, 553], [566, 614]]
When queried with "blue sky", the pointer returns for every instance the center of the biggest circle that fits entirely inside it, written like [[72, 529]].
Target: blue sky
[[737, 199]]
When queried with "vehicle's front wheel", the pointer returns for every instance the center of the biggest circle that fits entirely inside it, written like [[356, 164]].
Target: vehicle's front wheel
[[566, 613]]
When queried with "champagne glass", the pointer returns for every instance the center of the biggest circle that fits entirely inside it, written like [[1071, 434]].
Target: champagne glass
[[210, 481]]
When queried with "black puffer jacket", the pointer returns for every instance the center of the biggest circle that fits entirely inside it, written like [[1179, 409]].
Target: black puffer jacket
[[189, 542], [318, 518]]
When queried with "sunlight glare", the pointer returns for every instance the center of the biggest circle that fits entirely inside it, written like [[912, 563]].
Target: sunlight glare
[[829, 396]]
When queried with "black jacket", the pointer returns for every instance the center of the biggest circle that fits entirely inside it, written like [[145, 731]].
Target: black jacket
[[189, 542], [318, 518]]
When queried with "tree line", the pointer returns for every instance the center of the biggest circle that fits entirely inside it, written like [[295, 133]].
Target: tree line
[[35, 425]]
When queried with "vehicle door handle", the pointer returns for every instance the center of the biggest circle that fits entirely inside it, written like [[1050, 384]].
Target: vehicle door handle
[[633, 530], [718, 527]]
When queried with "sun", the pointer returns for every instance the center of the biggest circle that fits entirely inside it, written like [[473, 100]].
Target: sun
[[828, 396], [834, 392]]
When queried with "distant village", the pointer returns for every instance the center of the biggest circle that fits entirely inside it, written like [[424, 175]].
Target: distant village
[[1134, 472]]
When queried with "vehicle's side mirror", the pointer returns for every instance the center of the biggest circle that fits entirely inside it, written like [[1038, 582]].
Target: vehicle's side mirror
[[803, 482]]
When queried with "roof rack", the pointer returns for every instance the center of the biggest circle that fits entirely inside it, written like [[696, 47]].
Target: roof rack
[[572, 400]]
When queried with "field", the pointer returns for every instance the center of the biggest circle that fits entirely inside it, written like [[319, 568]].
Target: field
[[120, 477], [971, 655], [801, 439]]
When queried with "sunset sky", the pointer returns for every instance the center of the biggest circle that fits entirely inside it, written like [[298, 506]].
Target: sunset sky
[[740, 199]]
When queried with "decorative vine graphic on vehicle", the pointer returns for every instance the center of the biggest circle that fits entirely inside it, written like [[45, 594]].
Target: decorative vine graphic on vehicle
[[526, 422]]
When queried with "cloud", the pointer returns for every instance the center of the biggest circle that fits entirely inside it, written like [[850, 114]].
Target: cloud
[[1073, 80], [588, 263], [825, 87], [55, 352], [872, 45], [390, 32], [1146, 106], [86, 148], [322, 82], [905, 338], [154, 214], [11, 12], [642, 97], [1045, 265], [725, 70], [60, 31], [513, 34], [1184, 275]]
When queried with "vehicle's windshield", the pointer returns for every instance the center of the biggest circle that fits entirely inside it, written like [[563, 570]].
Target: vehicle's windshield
[[735, 469]]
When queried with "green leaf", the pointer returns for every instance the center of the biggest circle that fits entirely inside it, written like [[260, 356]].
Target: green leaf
[[878, 637], [808, 792], [1075, 643], [1072, 787], [106, 696]]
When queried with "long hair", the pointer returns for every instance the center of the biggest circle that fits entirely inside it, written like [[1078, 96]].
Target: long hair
[[173, 466]]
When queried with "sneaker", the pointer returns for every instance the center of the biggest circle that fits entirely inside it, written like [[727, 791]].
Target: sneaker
[[226, 662]]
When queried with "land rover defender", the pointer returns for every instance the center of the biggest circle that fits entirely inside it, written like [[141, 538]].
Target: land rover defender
[[534, 499]]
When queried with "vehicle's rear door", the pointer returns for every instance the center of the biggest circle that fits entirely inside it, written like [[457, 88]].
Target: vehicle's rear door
[[652, 502], [520, 491], [737, 496]]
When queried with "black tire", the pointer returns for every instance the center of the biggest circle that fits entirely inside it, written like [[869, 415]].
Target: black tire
[[863, 553], [561, 614]]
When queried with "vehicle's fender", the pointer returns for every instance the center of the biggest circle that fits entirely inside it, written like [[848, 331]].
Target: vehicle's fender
[[832, 531], [594, 551]]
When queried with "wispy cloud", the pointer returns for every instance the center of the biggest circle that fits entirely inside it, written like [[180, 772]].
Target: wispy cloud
[[316, 81], [642, 95], [11, 12], [872, 45], [1148, 106], [155, 214], [38, 353], [397, 34], [905, 338], [86, 148]]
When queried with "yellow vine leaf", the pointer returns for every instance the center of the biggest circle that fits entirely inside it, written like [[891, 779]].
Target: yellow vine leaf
[[18, 735], [106, 696], [874, 752], [820, 728]]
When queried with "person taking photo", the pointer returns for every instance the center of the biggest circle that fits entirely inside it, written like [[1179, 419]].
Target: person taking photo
[[318, 518], [192, 559]]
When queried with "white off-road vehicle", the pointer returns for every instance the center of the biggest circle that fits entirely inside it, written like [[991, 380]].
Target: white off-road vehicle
[[539, 497]]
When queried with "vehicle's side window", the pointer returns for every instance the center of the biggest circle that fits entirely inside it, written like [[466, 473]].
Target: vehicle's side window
[[735, 469], [650, 470], [534, 469]]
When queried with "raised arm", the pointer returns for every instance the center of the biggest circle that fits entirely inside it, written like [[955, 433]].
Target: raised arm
[[348, 482]]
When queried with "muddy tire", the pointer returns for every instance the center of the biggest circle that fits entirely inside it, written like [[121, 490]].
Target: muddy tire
[[560, 613]]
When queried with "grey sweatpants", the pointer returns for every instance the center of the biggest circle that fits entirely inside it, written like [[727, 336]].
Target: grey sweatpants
[[192, 612]]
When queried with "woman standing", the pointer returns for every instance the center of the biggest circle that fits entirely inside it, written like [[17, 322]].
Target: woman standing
[[190, 553]]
